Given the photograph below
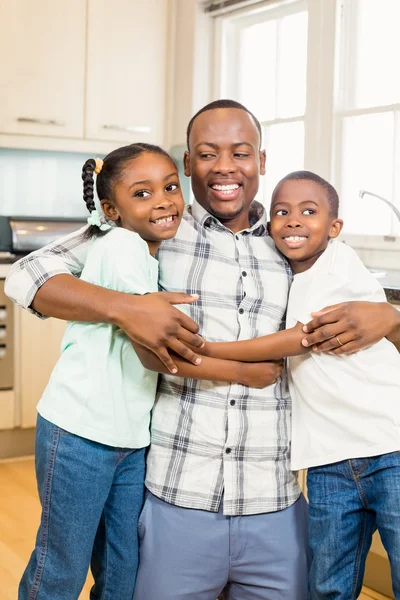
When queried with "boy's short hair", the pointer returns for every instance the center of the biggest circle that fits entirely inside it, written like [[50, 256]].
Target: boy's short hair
[[331, 193], [222, 104]]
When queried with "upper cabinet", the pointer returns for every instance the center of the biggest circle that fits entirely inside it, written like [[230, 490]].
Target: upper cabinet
[[42, 67], [126, 70], [83, 75]]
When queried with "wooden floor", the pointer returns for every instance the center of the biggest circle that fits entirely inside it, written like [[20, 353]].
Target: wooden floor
[[19, 518]]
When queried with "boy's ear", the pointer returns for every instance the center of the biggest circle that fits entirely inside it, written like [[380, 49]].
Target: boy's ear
[[186, 163], [263, 160], [109, 210], [335, 228]]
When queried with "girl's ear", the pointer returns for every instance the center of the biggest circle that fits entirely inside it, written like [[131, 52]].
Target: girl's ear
[[110, 210], [335, 228]]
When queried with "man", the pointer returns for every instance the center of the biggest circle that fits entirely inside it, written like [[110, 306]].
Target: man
[[223, 508]]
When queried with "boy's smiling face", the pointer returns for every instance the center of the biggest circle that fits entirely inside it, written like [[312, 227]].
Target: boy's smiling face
[[302, 222], [225, 162]]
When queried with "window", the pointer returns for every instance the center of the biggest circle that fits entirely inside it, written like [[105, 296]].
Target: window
[[265, 69], [322, 78], [367, 114]]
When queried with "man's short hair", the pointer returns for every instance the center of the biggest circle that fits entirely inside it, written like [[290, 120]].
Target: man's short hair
[[222, 104], [331, 193]]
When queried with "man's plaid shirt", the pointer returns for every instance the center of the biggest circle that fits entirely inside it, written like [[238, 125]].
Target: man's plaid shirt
[[208, 439]]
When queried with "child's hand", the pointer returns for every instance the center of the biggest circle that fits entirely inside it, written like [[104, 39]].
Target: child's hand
[[260, 375]]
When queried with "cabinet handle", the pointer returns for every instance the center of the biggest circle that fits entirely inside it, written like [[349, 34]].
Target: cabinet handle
[[129, 128], [40, 121]]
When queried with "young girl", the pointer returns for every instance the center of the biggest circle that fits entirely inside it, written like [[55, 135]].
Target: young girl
[[93, 422], [346, 409]]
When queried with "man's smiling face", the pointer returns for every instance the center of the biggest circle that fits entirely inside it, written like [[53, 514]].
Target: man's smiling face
[[225, 162]]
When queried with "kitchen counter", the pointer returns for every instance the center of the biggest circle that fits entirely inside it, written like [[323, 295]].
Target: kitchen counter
[[390, 281]]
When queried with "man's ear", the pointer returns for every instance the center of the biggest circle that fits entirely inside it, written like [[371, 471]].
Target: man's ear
[[186, 163], [335, 228], [110, 210], [263, 160]]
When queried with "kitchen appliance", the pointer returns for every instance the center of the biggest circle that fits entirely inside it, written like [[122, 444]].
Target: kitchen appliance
[[20, 236], [6, 341]]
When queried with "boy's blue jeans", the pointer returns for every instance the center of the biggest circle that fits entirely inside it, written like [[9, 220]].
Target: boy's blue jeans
[[91, 497], [349, 500]]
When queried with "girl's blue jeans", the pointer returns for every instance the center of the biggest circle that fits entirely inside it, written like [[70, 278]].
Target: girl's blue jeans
[[91, 497], [349, 500]]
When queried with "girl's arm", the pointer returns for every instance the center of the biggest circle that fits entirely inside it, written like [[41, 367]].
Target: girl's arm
[[255, 374], [268, 347]]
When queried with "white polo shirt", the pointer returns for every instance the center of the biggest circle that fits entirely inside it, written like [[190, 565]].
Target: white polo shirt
[[343, 406]]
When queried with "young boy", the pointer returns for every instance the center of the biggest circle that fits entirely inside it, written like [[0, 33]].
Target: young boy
[[346, 409]]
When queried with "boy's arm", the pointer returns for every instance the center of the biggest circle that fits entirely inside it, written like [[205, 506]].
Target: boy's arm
[[257, 374], [43, 282], [268, 347]]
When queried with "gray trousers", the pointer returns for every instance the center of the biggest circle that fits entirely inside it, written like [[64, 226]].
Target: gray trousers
[[188, 554]]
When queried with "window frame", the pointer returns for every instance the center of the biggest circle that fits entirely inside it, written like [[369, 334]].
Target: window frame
[[329, 65]]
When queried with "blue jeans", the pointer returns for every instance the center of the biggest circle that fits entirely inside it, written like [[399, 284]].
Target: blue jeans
[[349, 500], [190, 554], [91, 497]]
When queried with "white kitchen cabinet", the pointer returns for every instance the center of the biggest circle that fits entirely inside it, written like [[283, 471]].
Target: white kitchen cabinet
[[127, 66], [84, 75], [42, 49], [38, 346]]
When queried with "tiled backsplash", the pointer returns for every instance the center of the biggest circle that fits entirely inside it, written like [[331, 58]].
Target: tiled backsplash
[[37, 183], [48, 184], [376, 252]]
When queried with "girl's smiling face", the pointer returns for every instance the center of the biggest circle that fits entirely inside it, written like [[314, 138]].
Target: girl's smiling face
[[302, 222], [147, 198]]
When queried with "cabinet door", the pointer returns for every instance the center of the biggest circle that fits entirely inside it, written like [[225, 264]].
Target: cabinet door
[[126, 70], [42, 49], [40, 343]]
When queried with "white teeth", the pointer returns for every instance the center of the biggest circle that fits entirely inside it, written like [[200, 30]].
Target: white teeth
[[165, 220], [295, 238], [227, 189]]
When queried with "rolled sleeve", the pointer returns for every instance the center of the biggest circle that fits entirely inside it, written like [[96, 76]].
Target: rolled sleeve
[[64, 256]]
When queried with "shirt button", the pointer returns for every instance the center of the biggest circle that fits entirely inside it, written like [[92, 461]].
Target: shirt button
[[232, 402], [228, 450], [241, 311], [237, 237], [244, 274]]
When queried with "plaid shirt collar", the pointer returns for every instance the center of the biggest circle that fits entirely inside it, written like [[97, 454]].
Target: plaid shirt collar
[[257, 219]]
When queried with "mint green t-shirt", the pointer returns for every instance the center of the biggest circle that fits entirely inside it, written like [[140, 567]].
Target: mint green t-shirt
[[99, 389]]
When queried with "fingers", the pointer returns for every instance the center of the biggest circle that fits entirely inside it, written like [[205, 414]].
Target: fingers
[[179, 297], [179, 348], [325, 310], [323, 334], [343, 343], [329, 315], [188, 337], [165, 358]]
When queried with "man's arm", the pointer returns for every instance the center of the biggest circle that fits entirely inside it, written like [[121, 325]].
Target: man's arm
[[257, 374], [358, 325], [268, 347], [43, 282]]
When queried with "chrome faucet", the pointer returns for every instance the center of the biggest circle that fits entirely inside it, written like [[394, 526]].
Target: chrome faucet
[[392, 206]]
